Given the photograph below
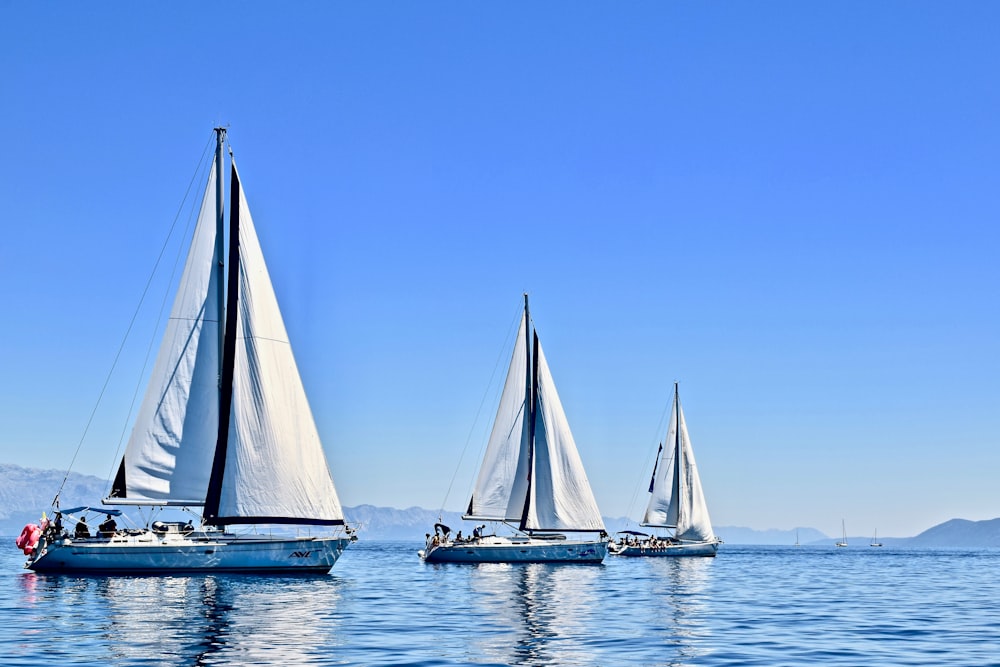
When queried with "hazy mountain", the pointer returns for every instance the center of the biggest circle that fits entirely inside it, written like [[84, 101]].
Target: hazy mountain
[[26, 492], [960, 532]]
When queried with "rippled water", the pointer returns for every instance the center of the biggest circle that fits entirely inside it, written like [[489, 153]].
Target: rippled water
[[382, 605]]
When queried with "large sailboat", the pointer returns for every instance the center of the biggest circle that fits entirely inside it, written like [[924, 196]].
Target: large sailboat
[[676, 501], [224, 431], [531, 478]]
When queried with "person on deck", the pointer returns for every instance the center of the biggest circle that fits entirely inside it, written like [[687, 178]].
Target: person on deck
[[108, 528], [82, 530]]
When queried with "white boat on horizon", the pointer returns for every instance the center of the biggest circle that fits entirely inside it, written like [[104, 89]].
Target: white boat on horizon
[[677, 501], [875, 542], [843, 532], [531, 477], [224, 432]]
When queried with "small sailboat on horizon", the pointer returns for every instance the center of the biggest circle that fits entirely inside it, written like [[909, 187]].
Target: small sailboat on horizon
[[875, 542], [843, 539], [531, 477], [224, 431], [676, 501]]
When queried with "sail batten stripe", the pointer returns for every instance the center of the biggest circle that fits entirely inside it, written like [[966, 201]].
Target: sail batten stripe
[[232, 520]]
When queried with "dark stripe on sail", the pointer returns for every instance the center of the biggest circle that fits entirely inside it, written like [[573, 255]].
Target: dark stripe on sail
[[531, 426], [231, 520], [214, 495], [655, 466]]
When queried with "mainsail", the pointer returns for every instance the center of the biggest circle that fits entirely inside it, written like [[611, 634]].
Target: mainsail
[[273, 466], [677, 500], [532, 472], [561, 498]]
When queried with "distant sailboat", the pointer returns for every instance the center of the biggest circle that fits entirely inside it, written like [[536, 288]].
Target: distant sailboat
[[843, 539], [676, 501], [225, 428], [797, 538], [875, 542], [531, 477]]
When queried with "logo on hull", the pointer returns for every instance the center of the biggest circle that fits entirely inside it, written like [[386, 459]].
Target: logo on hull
[[300, 554]]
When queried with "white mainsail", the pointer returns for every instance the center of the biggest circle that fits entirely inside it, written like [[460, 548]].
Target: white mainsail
[[561, 498], [503, 477], [169, 454], [677, 500], [275, 467]]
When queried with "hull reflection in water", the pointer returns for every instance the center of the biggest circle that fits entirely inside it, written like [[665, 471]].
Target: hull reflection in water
[[202, 620]]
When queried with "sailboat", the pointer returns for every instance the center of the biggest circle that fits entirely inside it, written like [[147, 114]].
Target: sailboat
[[676, 501], [875, 542], [843, 531], [224, 430], [531, 477]]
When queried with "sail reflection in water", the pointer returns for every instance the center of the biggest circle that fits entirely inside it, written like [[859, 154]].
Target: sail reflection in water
[[543, 613]]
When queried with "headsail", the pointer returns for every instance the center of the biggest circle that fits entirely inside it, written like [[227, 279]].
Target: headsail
[[169, 454], [274, 469], [561, 498], [677, 499]]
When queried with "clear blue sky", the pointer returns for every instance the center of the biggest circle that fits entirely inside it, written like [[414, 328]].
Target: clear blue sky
[[791, 208]]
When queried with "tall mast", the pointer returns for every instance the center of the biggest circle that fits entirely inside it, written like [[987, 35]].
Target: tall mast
[[530, 397], [214, 495], [677, 451], [220, 240]]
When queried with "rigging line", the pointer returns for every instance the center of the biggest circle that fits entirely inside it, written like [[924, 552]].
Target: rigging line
[[121, 347], [163, 304], [468, 439], [639, 484]]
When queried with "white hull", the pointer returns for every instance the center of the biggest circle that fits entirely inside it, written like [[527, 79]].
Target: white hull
[[675, 550], [517, 550], [150, 553]]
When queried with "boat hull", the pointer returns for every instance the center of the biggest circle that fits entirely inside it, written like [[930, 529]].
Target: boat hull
[[501, 550], [708, 549], [148, 553]]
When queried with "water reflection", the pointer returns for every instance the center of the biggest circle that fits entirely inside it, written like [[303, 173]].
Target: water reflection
[[540, 613], [201, 620], [679, 607]]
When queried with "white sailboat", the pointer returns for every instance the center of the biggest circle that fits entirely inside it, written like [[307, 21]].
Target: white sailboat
[[224, 430], [676, 501], [531, 477], [875, 542], [843, 532]]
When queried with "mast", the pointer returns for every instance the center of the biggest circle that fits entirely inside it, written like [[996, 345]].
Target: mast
[[677, 451], [214, 494], [530, 397], [220, 238]]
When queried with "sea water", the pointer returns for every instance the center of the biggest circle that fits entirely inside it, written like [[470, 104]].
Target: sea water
[[381, 605]]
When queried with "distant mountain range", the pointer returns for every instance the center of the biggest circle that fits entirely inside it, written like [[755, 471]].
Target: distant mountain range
[[26, 492]]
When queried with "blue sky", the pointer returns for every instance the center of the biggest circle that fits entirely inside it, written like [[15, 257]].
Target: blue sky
[[791, 208]]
